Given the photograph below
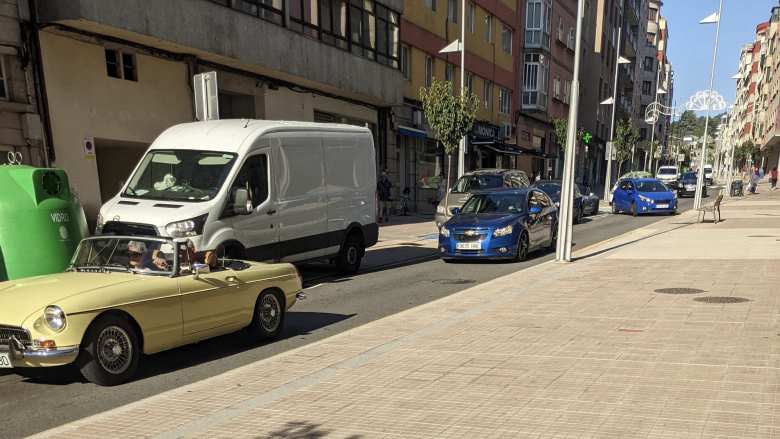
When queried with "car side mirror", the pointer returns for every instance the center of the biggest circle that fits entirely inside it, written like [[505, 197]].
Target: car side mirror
[[198, 269], [535, 210], [455, 210], [242, 204]]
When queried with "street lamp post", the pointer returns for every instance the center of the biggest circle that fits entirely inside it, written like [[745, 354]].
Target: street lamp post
[[714, 18], [563, 248], [658, 90], [459, 45], [613, 101]]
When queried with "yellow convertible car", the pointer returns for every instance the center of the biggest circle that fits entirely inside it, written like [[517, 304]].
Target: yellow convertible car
[[123, 296]]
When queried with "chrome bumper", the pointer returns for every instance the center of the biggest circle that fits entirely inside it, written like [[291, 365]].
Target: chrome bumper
[[25, 356]]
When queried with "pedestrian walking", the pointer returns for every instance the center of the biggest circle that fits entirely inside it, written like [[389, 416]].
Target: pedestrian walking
[[754, 179], [773, 178], [383, 188]]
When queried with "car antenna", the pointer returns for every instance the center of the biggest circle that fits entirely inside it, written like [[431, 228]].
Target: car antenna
[[246, 124]]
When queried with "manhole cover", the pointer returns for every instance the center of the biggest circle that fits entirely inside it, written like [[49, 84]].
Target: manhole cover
[[717, 299], [679, 291], [454, 281]]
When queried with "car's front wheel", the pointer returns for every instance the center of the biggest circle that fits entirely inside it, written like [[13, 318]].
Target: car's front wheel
[[110, 352], [553, 237], [615, 210], [268, 317], [522, 247], [351, 254]]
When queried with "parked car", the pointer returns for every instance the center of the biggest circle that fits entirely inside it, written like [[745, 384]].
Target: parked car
[[687, 185], [631, 174], [500, 224], [255, 189], [643, 195], [668, 175], [708, 174], [480, 180], [590, 202], [553, 189], [125, 296]]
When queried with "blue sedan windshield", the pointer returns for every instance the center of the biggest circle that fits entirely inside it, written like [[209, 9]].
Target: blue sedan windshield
[[651, 186], [494, 203]]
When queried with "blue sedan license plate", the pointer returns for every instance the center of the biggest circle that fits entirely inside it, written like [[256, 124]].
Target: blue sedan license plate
[[468, 245], [5, 361], [661, 206]]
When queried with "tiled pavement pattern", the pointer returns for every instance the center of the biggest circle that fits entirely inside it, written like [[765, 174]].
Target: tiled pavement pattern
[[582, 350]]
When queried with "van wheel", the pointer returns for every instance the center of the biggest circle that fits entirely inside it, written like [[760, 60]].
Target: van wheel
[[110, 352], [351, 254], [268, 317]]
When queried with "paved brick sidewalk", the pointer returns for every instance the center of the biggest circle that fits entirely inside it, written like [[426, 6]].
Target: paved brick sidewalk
[[582, 350]]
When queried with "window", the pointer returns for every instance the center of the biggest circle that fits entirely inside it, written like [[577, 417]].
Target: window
[[650, 39], [430, 4], [566, 91], [487, 95], [647, 88], [488, 28], [570, 42], [653, 14], [428, 71], [648, 63], [4, 94], [469, 82], [253, 176], [472, 17], [387, 37], [535, 82], [406, 62], [503, 100], [452, 11], [449, 72], [121, 65], [271, 10], [537, 23], [561, 30], [506, 38]]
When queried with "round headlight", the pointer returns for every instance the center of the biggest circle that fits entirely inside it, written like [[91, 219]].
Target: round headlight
[[54, 317]]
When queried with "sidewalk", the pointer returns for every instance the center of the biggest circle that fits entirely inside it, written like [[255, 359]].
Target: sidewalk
[[590, 349]]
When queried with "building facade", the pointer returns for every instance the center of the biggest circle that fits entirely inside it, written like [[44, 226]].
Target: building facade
[[309, 60]]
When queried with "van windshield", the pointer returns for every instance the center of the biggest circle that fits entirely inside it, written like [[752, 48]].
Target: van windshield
[[180, 175], [469, 183]]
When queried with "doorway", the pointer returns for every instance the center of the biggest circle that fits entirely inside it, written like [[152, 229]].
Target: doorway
[[116, 159]]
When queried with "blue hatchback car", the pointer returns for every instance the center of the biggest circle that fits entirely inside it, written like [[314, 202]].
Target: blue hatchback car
[[500, 224], [643, 195]]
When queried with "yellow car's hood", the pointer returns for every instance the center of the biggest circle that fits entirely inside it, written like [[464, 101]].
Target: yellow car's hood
[[22, 297]]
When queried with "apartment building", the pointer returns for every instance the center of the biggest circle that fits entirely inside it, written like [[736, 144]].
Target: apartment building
[[492, 44], [21, 129], [768, 120], [118, 73]]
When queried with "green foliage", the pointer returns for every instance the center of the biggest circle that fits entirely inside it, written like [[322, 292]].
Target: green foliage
[[626, 136], [561, 129], [692, 125], [450, 117]]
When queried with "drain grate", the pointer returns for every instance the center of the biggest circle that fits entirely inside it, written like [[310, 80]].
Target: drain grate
[[679, 291], [454, 281], [721, 299]]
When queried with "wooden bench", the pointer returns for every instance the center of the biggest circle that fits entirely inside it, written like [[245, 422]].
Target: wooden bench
[[714, 208]]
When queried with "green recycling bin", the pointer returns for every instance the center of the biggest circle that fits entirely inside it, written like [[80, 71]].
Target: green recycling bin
[[41, 221]]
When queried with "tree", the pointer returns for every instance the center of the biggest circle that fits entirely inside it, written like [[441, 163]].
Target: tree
[[561, 127], [450, 118], [626, 137]]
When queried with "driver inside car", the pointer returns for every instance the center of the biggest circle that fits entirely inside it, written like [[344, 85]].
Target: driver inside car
[[142, 259]]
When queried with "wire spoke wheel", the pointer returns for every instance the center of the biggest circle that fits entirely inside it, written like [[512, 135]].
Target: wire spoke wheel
[[114, 350], [270, 312]]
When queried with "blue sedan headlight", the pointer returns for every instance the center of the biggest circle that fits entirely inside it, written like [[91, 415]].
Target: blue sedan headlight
[[646, 199], [445, 232], [503, 231]]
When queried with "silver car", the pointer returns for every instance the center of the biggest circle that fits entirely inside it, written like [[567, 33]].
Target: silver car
[[479, 180]]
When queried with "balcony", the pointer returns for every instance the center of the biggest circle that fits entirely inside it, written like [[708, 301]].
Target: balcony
[[261, 37]]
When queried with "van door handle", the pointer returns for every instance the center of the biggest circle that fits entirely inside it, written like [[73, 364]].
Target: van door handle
[[271, 212]]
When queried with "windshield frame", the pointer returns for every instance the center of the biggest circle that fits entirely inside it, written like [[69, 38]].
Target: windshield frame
[[129, 192], [113, 269], [519, 197]]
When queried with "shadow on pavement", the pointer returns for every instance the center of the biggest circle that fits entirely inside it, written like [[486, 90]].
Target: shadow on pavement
[[296, 324], [302, 430], [624, 244]]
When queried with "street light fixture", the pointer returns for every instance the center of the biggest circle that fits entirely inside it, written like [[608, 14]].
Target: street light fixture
[[713, 18], [613, 101], [459, 45]]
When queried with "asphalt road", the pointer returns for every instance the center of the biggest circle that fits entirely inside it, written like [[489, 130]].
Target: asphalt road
[[334, 304]]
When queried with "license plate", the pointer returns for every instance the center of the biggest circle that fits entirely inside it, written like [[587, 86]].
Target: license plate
[[5, 360], [661, 206], [468, 245]]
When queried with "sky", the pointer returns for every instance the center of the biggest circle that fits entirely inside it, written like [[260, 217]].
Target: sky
[[691, 44]]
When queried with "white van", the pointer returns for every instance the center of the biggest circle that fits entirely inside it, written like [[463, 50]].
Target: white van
[[261, 190]]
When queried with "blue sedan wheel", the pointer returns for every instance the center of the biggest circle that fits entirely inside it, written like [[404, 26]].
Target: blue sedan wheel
[[522, 248]]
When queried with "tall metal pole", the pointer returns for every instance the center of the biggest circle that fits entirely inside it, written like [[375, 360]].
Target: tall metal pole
[[700, 177], [608, 178], [655, 122], [462, 145], [563, 249]]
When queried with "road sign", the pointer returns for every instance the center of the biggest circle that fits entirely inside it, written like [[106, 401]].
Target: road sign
[[206, 96]]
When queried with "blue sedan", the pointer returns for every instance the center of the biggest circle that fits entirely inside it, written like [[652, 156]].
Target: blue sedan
[[643, 195], [500, 224]]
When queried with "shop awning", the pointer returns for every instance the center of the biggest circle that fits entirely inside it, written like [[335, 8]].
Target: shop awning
[[412, 132], [511, 149]]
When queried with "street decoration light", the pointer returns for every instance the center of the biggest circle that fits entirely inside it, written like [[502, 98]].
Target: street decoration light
[[459, 45], [563, 248], [613, 101], [710, 19]]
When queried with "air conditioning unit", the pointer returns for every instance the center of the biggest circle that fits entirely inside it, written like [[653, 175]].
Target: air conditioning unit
[[417, 118]]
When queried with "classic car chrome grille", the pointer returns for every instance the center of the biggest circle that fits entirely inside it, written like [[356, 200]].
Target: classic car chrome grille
[[21, 334]]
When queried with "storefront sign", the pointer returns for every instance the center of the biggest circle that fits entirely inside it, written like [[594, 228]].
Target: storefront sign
[[483, 131]]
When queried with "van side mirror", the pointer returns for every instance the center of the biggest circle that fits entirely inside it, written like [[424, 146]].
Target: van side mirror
[[455, 210], [242, 204]]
